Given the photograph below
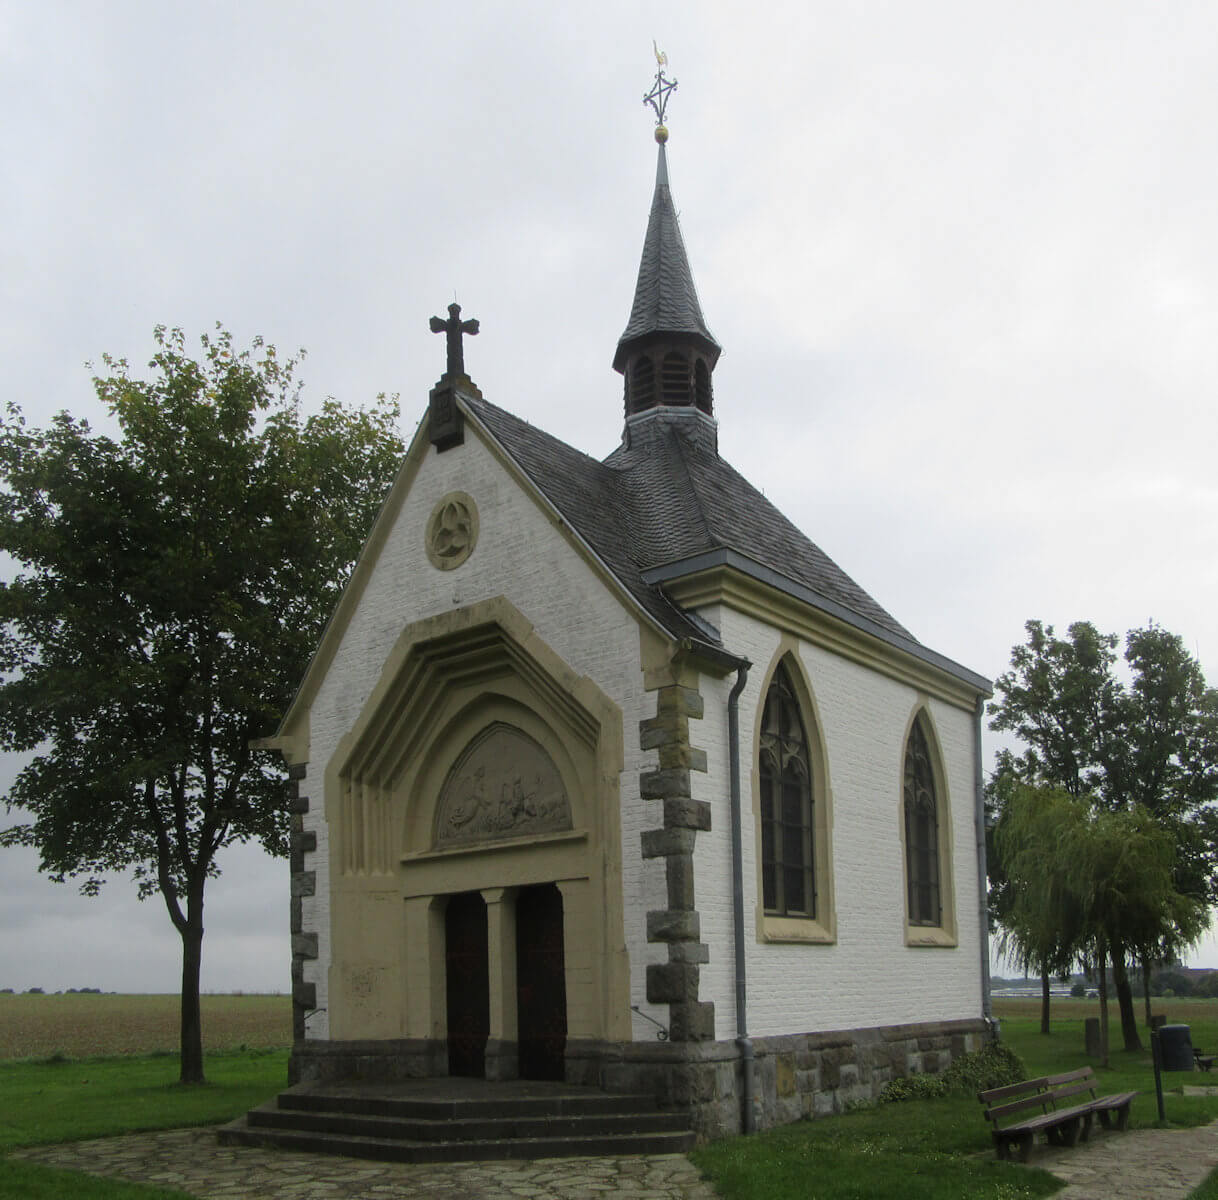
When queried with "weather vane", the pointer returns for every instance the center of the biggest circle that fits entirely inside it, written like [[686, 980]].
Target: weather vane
[[658, 96]]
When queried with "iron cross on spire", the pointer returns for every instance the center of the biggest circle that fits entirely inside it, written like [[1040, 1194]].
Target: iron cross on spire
[[660, 91], [454, 327]]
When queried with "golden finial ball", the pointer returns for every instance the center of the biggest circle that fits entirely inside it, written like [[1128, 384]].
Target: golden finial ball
[[661, 134]]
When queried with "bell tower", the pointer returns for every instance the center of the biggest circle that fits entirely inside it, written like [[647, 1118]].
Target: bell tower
[[666, 353]]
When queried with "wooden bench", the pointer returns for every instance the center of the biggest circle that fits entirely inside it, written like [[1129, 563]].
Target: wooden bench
[[1204, 1062], [1060, 1106]]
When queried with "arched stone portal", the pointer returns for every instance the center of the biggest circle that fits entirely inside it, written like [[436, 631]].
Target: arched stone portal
[[481, 763]]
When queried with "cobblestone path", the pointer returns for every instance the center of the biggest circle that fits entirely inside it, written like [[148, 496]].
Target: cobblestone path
[[192, 1161]]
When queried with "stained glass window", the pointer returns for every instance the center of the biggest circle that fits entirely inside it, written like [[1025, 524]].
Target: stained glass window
[[921, 831], [787, 876]]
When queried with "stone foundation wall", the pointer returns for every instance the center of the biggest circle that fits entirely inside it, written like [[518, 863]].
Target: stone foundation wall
[[795, 1076]]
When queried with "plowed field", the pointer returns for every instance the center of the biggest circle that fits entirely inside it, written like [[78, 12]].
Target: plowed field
[[87, 1026]]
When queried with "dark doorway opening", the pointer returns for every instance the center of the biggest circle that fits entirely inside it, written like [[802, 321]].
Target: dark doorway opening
[[467, 982], [541, 983]]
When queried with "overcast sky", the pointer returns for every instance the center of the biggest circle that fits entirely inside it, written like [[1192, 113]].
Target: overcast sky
[[962, 259]]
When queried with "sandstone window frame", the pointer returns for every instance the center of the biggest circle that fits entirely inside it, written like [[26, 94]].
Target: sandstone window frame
[[923, 783], [773, 924]]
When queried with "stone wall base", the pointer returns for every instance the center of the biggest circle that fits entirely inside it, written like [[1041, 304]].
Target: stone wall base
[[795, 1076]]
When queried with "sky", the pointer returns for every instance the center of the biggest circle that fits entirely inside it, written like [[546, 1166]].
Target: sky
[[962, 259]]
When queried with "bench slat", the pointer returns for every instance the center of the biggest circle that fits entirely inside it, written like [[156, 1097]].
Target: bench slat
[[1061, 1125]]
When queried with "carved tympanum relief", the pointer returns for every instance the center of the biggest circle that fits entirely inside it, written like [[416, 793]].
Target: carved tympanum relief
[[452, 531], [504, 785]]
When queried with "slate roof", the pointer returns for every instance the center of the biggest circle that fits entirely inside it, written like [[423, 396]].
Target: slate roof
[[665, 299], [664, 504], [667, 496]]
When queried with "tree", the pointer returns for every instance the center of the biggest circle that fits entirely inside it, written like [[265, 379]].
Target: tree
[[1150, 744], [172, 585], [1027, 909], [1082, 877], [1040, 913]]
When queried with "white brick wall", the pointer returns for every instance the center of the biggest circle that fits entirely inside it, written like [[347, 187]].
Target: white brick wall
[[520, 554], [869, 977]]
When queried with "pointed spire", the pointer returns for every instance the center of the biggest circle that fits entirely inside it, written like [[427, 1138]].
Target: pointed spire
[[665, 299], [666, 352]]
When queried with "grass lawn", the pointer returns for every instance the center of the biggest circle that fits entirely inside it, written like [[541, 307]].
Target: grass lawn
[[917, 1150], [75, 1099], [941, 1149]]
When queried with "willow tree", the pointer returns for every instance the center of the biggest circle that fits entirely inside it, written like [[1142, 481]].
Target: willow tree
[[1089, 884], [1038, 913], [172, 583], [1144, 739]]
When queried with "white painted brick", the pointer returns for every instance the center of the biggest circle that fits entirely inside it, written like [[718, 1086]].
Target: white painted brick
[[520, 554], [869, 977]]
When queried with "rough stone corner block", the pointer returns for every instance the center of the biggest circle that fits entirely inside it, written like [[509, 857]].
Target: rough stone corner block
[[305, 995], [692, 1022], [659, 843], [678, 699], [664, 783], [304, 883], [304, 945], [664, 925], [683, 813], [672, 983]]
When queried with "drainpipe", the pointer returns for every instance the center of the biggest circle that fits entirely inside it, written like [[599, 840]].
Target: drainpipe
[[987, 1010], [748, 1123]]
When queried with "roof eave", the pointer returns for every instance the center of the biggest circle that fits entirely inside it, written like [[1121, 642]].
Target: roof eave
[[724, 557]]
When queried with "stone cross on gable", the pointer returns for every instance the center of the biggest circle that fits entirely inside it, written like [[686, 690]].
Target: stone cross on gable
[[454, 327]]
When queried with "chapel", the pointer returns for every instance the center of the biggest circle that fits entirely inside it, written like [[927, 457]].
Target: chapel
[[604, 772]]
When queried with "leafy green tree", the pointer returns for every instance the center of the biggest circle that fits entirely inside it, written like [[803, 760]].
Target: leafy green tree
[[172, 585], [1149, 744], [1081, 877], [1041, 924]]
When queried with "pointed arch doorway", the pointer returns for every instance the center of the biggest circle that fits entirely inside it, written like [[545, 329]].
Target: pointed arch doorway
[[467, 983], [541, 984]]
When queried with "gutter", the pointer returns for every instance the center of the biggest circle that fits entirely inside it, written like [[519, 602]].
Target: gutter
[[748, 1121], [725, 557], [987, 1010]]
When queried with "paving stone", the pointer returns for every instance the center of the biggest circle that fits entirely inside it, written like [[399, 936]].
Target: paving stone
[[192, 1161], [1142, 1164]]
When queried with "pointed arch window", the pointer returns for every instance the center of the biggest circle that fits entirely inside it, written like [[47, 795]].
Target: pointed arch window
[[922, 864], [788, 877]]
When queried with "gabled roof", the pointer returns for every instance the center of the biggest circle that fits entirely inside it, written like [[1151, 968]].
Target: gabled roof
[[665, 300], [666, 502]]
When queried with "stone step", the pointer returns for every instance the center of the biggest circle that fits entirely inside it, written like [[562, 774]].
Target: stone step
[[319, 1100], [240, 1132], [496, 1126]]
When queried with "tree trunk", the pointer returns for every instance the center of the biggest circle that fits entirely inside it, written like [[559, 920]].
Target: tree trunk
[[1044, 1002], [1102, 966], [1146, 987], [1129, 1019], [192, 1022]]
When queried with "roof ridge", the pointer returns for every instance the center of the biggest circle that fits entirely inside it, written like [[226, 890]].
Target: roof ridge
[[692, 488]]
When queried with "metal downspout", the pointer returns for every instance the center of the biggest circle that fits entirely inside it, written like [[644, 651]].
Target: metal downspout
[[987, 1010], [748, 1123]]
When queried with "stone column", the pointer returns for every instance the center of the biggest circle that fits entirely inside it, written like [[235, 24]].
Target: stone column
[[502, 1052]]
